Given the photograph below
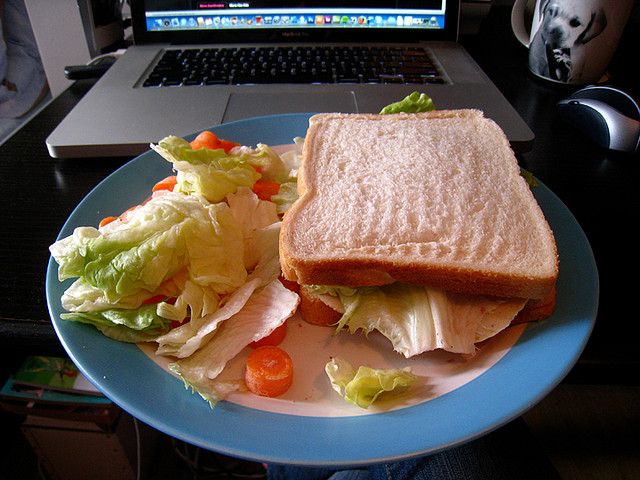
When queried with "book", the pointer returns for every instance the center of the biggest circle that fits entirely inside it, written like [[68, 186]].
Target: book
[[53, 373], [38, 401], [17, 392]]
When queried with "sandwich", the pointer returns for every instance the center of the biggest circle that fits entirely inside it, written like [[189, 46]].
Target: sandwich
[[419, 226]]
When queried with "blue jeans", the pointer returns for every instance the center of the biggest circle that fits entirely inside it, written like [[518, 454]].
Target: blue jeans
[[510, 453]]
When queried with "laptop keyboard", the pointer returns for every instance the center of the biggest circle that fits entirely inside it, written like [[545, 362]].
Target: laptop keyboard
[[310, 64]]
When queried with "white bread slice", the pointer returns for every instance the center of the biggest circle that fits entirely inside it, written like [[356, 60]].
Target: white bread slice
[[430, 198]]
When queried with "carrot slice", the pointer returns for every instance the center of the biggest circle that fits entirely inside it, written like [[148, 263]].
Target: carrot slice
[[264, 190], [274, 338], [268, 371], [209, 140], [107, 221], [166, 184]]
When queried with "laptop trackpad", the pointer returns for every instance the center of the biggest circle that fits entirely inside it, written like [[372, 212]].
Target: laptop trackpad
[[247, 105]]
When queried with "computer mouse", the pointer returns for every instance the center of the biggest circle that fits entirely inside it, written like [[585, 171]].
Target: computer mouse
[[605, 114]]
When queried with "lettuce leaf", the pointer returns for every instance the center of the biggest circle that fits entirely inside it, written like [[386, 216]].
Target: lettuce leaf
[[271, 166], [125, 325], [207, 172], [265, 310], [364, 386], [184, 340], [128, 261], [253, 214], [287, 194], [418, 319], [412, 103], [266, 242], [82, 297]]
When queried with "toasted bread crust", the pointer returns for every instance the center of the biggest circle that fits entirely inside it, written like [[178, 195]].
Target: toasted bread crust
[[378, 272], [536, 310]]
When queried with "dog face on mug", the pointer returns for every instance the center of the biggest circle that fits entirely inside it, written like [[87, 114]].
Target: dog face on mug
[[566, 26]]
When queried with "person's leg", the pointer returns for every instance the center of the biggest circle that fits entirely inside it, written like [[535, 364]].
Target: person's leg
[[510, 453], [284, 472], [457, 463]]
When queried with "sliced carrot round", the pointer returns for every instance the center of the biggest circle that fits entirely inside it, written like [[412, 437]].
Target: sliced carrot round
[[268, 371], [274, 338]]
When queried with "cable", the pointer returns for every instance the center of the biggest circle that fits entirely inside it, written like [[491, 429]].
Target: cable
[[204, 464], [115, 55], [138, 448]]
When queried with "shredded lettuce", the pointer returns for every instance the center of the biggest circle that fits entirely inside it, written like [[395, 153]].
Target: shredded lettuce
[[184, 340], [419, 319], [156, 241], [364, 386], [204, 255], [292, 157], [266, 241], [82, 297], [174, 245], [412, 103], [264, 311], [253, 214], [287, 194], [125, 325], [271, 166], [210, 173]]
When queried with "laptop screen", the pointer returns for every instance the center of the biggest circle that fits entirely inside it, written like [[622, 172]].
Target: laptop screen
[[188, 21]]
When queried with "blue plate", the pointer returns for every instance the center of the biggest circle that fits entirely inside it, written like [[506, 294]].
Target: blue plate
[[536, 363]]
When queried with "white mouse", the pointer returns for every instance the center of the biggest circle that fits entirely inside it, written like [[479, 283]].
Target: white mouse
[[607, 115]]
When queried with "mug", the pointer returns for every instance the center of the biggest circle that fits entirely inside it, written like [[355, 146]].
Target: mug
[[570, 41]]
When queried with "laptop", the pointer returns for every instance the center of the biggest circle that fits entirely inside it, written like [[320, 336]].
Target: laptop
[[133, 105]]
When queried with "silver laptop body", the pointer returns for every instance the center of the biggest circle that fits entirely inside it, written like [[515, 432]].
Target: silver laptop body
[[120, 116]]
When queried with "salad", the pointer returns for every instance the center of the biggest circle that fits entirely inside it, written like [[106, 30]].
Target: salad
[[190, 265], [195, 269]]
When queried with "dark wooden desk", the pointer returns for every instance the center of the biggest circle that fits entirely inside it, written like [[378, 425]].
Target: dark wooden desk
[[37, 194]]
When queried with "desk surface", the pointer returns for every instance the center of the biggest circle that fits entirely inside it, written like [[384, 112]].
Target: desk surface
[[37, 194]]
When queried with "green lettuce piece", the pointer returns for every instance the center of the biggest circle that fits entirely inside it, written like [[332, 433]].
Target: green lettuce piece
[[184, 340], [264, 311], [412, 103], [364, 386], [82, 297], [272, 167], [125, 325], [170, 232], [530, 179], [252, 214], [419, 319], [287, 194], [208, 172]]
